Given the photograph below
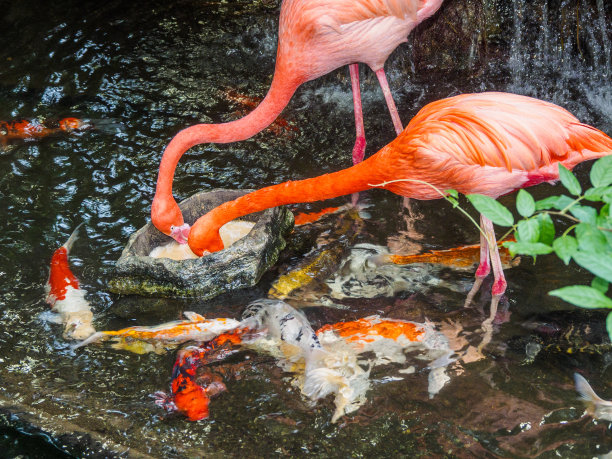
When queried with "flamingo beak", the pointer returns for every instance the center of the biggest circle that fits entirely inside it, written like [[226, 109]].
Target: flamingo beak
[[180, 233]]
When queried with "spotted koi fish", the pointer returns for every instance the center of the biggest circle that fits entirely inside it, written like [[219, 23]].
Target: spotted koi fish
[[65, 296], [159, 338], [25, 129], [322, 363]]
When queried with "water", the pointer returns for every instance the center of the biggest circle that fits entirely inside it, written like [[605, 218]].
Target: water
[[142, 74]]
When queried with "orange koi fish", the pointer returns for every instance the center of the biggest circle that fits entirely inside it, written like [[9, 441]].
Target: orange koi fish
[[322, 363], [25, 129], [464, 256], [309, 217], [66, 297], [249, 103], [158, 339], [191, 392]]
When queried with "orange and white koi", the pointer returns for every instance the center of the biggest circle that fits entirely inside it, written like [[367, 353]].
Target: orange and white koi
[[25, 129], [66, 297], [159, 338], [322, 363]]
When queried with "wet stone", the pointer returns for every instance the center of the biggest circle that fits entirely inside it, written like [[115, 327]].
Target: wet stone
[[240, 265]]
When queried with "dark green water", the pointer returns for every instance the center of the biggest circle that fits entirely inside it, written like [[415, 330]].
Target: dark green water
[[142, 72]]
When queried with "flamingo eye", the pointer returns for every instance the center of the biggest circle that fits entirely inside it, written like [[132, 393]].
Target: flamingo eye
[[172, 228]]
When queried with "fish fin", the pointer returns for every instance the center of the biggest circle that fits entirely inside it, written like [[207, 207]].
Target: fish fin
[[585, 390], [72, 238], [98, 336], [193, 316], [321, 382]]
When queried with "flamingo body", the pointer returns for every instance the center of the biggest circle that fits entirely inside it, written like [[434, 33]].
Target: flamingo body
[[488, 143], [315, 37]]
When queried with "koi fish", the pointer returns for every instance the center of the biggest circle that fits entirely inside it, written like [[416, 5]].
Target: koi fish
[[596, 406], [158, 339], [248, 102], [321, 261], [322, 363], [25, 129], [190, 391], [309, 217], [66, 297], [464, 256]]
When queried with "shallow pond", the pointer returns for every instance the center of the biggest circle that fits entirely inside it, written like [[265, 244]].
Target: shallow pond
[[141, 73]]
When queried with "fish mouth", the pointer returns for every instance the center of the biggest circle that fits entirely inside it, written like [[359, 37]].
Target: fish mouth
[[180, 233]]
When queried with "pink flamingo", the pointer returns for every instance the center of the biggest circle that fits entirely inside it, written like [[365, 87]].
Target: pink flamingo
[[488, 143], [315, 37]]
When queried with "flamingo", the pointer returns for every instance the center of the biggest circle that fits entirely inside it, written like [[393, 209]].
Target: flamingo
[[489, 143], [314, 38]]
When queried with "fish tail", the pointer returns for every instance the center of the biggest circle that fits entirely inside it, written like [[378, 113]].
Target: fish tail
[[585, 390], [72, 238]]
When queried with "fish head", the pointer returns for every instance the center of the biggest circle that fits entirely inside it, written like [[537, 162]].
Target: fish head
[[72, 124], [79, 327], [168, 218], [193, 402]]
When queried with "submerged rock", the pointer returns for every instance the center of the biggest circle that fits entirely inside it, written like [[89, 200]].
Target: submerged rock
[[238, 266]]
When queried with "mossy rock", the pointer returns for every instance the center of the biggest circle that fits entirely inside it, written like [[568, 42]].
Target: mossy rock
[[236, 267]]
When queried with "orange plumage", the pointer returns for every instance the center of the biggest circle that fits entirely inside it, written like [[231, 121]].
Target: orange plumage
[[489, 143], [315, 37]]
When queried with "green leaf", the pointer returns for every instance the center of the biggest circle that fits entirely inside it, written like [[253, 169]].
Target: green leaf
[[583, 296], [609, 325], [554, 202], [584, 213], [607, 196], [547, 229], [599, 264], [590, 239], [453, 193], [491, 209], [528, 248], [600, 284], [569, 180], [528, 230], [596, 193], [525, 204], [601, 172], [565, 247]]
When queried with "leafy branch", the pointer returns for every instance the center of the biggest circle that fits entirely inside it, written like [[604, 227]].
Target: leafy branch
[[588, 241]]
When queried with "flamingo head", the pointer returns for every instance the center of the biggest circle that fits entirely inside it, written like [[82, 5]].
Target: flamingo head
[[204, 237], [168, 218]]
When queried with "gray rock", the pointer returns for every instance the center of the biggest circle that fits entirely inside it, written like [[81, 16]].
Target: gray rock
[[236, 267]]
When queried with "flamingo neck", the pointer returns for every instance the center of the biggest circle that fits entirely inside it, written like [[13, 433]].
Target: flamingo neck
[[354, 179], [282, 88]]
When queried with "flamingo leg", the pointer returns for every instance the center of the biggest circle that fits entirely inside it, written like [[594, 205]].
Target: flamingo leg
[[483, 267], [360, 141], [384, 85], [499, 284], [397, 123]]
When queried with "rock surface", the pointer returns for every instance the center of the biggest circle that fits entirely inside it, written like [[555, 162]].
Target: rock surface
[[238, 266]]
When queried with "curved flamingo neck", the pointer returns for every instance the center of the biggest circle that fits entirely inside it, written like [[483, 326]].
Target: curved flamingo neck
[[282, 88], [354, 179]]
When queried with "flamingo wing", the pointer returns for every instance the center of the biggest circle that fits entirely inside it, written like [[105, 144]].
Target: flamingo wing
[[493, 143]]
